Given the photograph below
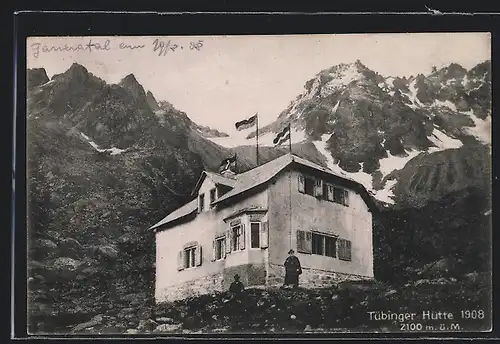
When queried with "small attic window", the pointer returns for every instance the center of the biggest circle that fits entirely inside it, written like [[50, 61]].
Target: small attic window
[[201, 203], [212, 196]]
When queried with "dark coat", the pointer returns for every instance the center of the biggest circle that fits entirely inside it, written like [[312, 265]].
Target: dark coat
[[236, 288], [292, 270]]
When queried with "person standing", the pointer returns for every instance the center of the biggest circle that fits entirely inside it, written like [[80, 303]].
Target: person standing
[[292, 269]]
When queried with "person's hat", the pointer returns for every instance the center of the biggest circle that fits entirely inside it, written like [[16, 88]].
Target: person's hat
[[236, 276], [290, 252]]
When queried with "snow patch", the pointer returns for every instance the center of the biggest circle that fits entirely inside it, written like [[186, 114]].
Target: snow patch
[[334, 110], [360, 177], [482, 128], [445, 103], [112, 150], [386, 194], [412, 95], [341, 77], [391, 163], [47, 83], [443, 141]]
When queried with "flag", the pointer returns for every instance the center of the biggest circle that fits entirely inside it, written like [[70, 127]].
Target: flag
[[246, 123], [282, 136], [226, 163]]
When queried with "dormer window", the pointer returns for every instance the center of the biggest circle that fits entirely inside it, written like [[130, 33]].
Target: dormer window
[[201, 203]]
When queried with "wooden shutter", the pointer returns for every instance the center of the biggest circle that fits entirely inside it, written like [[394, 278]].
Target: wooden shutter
[[300, 240], [344, 249], [180, 261], [329, 191], [214, 250], [242, 237], [308, 242], [264, 235], [198, 256], [346, 198], [318, 187], [302, 184], [228, 241]]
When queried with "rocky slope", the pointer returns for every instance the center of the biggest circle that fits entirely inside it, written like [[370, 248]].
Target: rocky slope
[[367, 125]]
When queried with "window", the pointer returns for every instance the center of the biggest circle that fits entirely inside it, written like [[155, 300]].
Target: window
[[318, 244], [201, 203], [340, 196], [255, 235], [330, 246], [324, 245], [309, 186], [189, 257], [235, 237], [220, 248], [212, 196]]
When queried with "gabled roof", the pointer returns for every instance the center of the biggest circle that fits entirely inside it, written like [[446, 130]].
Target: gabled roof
[[263, 173], [216, 178], [185, 210]]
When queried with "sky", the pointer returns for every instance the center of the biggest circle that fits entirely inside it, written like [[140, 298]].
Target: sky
[[224, 79]]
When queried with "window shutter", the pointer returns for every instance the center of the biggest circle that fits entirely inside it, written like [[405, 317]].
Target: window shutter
[[344, 249], [214, 250], [348, 250], [199, 256], [318, 187], [264, 235], [301, 183], [329, 191], [308, 242], [228, 241], [242, 237], [346, 198], [300, 241], [180, 261], [223, 248]]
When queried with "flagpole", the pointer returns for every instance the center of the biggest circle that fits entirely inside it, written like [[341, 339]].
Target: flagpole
[[257, 138], [289, 138]]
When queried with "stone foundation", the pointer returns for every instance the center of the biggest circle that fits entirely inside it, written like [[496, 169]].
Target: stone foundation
[[311, 278], [199, 286], [250, 275]]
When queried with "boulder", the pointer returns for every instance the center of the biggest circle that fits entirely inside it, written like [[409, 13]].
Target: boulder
[[107, 251], [439, 268], [91, 323], [390, 292], [132, 331], [46, 244], [70, 245], [168, 327], [165, 320], [66, 263]]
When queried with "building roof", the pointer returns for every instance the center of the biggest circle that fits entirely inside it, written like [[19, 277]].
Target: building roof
[[250, 179], [185, 210], [217, 179], [263, 173]]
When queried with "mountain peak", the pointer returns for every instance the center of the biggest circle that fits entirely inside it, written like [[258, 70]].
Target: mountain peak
[[131, 84], [130, 78], [36, 77]]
